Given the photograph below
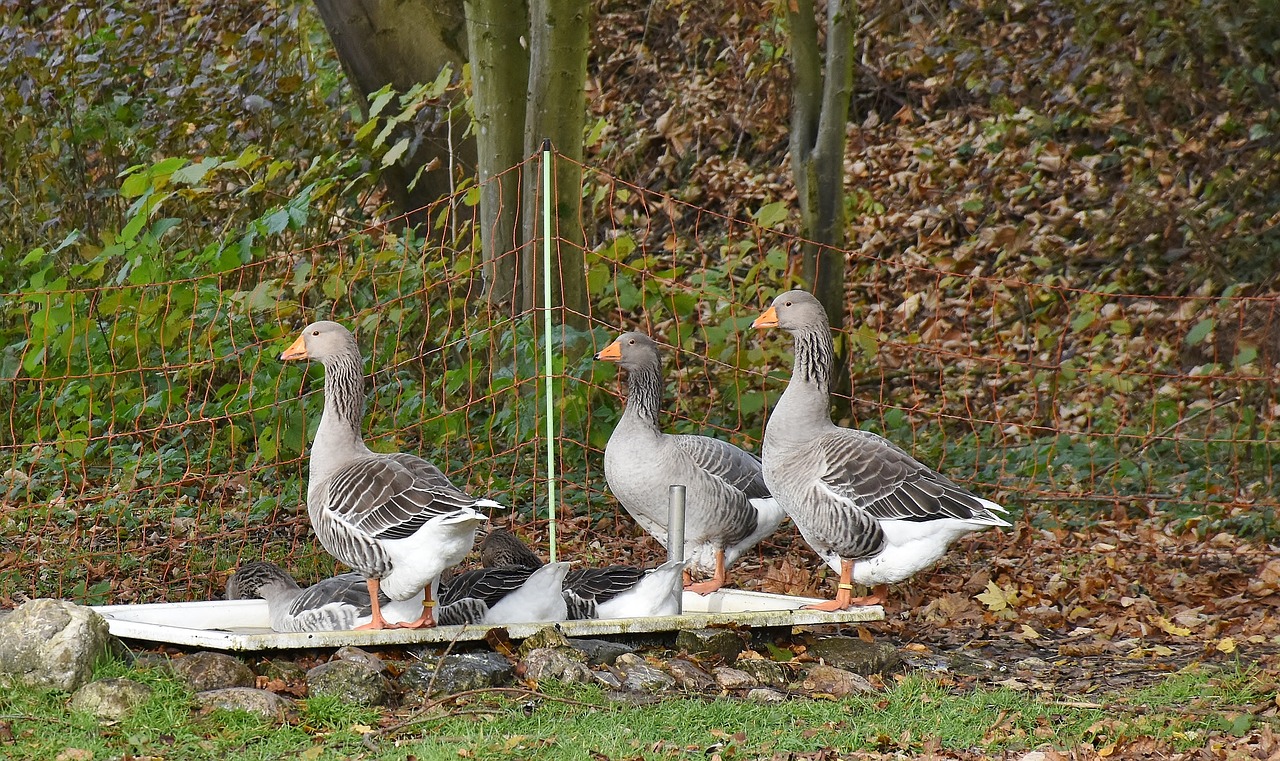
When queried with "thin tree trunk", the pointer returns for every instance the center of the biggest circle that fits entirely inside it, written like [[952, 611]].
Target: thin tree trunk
[[381, 42], [559, 36], [499, 73], [819, 119], [820, 115]]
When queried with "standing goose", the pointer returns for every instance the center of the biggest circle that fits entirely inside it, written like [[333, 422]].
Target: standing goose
[[874, 514], [728, 506], [394, 518]]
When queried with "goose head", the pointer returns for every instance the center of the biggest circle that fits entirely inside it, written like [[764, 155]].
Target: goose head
[[322, 341], [794, 311], [632, 351], [251, 579]]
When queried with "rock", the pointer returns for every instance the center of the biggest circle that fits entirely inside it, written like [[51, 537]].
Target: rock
[[600, 651], [458, 672], [719, 644], [837, 682], [856, 655], [728, 678], [639, 676], [356, 655], [247, 699], [110, 699], [767, 673], [211, 671], [563, 663], [547, 636], [52, 643], [766, 695], [1031, 664], [608, 680], [690, 677], [351, 681], [285, 671]]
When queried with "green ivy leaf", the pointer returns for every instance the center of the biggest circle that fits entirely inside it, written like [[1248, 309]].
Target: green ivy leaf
[[1200, 332]]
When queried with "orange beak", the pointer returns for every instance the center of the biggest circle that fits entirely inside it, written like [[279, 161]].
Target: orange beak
[[767, 320], [296, 350], [610, 353]]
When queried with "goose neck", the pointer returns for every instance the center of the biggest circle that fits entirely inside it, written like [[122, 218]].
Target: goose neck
[[338, 437], [814, 356], [644, 393]]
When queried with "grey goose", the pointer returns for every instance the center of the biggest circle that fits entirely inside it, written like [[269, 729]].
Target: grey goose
[[872, 512], [615, 591], [728, 507], [341, 602], [396, 519]]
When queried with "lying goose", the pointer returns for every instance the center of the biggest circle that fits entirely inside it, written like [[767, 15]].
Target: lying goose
[[728, 506], [340, 603], [616, 591], [394, 518], [874, 514], [512, 594]]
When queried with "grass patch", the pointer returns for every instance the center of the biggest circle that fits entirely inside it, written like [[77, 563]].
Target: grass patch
[[915, 713]]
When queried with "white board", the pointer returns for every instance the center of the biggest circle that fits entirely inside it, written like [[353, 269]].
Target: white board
[[243, 625]]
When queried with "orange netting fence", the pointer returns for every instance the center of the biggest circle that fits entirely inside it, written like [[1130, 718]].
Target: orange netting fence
[[153, 439]]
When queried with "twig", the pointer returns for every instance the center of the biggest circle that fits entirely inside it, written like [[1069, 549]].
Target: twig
[[1168, 430], [417, 717], [28, 717]]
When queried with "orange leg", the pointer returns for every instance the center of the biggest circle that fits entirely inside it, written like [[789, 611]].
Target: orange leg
[[427, 620], [844, 592], [717, 580], [378, 621]]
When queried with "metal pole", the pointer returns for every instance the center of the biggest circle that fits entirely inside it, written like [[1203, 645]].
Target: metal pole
[[675, 536], [546, 337]]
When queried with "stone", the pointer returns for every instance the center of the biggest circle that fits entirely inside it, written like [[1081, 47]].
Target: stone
[[717, 644], [351, 681], [246, 699], [458, 672], [766, 672], [547, 636], [766, 695], [564, 663], [639, 676], [837, 682], [211, 671], [356, 655], [285, 671], [52, 644], [608, 680], [857, 655], [600, 651], [690, 677], [110, 699], [729, 678]]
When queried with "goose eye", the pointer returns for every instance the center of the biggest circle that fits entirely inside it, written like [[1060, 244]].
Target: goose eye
[[787, 304], [315, 332], [632, 342]]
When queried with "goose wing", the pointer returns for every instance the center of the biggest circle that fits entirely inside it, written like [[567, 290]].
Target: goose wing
[[392, 496], [726, 462], [350, 589], [875, 477], [487, 584], [601, 584]]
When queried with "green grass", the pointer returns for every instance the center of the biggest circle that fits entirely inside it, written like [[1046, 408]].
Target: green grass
[[1180, 712]]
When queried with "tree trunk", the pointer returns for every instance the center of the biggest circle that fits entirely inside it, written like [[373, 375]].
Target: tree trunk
[[499, 76], [381, 42], [819, 119], [559, 37]]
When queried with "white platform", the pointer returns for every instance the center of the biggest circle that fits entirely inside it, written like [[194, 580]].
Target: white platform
[[243, 624]]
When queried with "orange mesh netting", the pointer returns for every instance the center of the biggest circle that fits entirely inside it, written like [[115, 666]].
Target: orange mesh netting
[[154, 440]]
